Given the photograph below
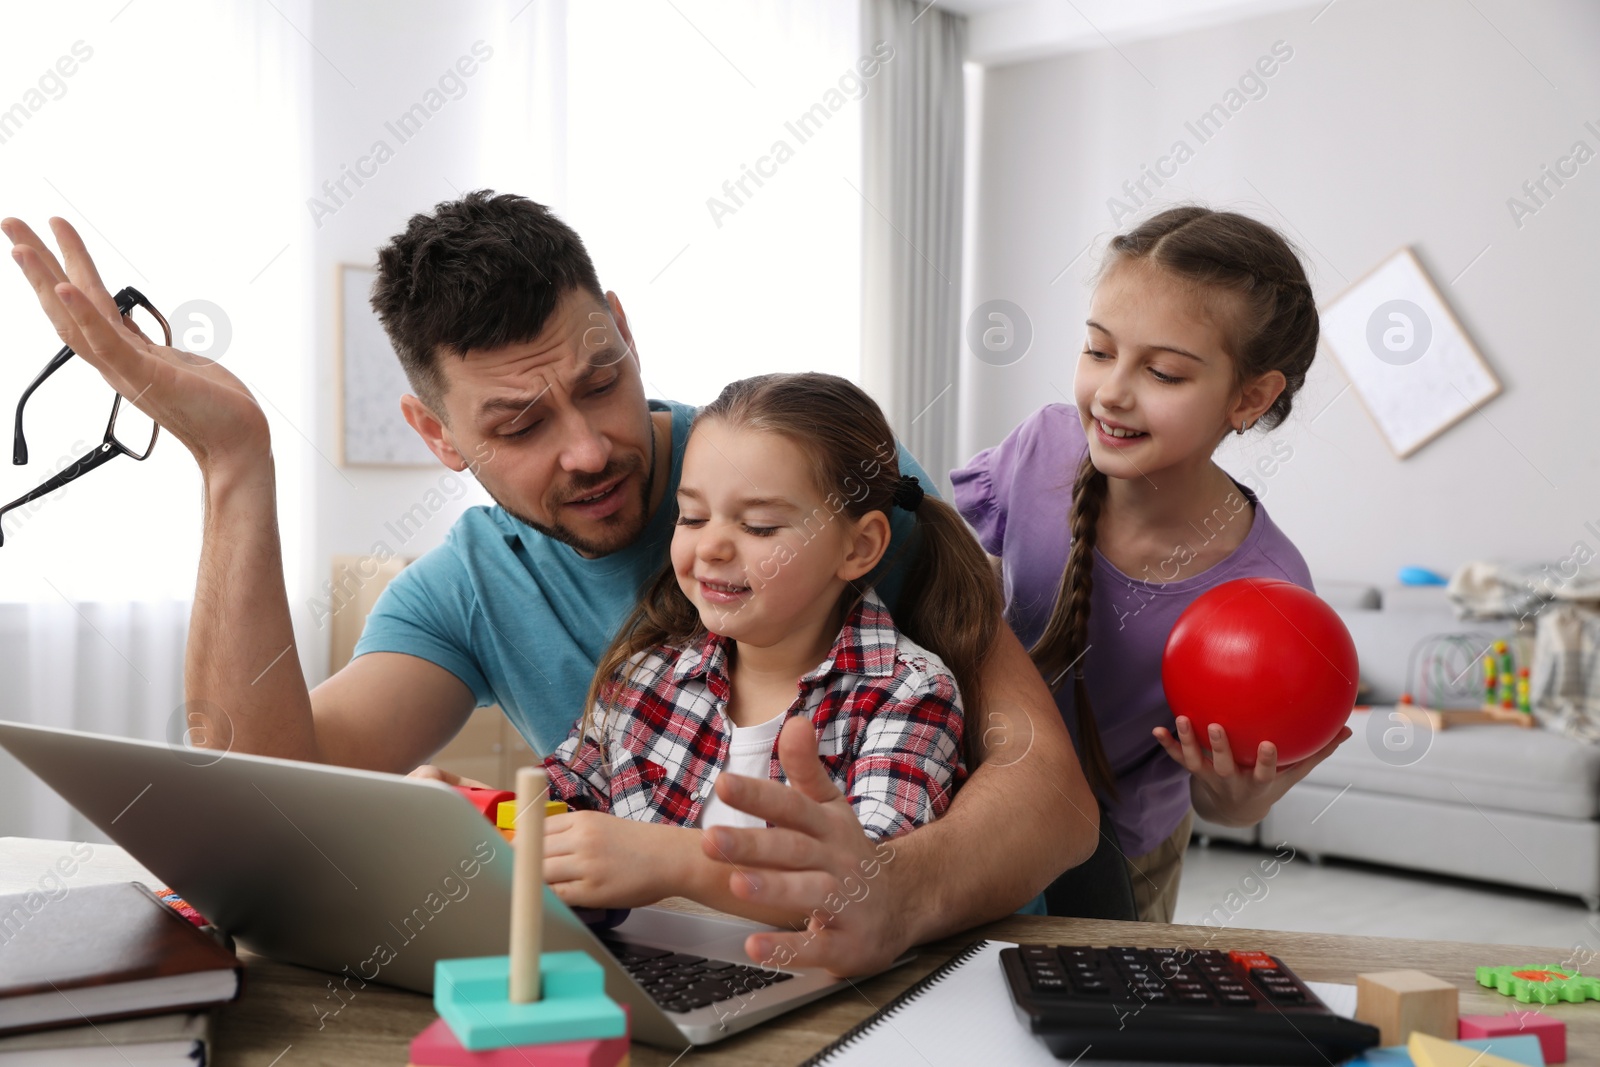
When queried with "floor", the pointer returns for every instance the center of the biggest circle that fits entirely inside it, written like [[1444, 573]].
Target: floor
[[1226, 884]]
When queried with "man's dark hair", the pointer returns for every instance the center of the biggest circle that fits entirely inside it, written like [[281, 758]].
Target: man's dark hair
[[481, 272]]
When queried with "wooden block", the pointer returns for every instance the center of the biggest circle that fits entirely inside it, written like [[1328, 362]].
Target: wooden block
[[1551, 1032], [472, 996], [506, 814], [487, 801], [1523, 1050], [1429, 1051], [1400, 1003], [438, 1046]]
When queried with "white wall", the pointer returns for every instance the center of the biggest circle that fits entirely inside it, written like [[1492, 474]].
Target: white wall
[[624, 118], [375, 69], [1394, 123]]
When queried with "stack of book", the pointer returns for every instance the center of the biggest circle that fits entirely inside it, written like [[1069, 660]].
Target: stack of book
[[107, 974]]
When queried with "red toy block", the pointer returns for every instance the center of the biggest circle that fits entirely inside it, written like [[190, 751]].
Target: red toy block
[[437, 1047], [486, 801], [1551, 1032]]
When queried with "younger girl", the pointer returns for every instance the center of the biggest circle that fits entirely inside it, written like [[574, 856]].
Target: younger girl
[[1110, 517], [767, 612]]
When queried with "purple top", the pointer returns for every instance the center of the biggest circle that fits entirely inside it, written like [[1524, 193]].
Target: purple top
[[1018, 496]]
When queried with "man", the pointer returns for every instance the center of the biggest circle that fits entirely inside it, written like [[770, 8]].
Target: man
[[525, 372]]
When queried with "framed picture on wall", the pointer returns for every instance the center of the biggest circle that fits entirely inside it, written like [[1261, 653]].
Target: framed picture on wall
[[372, 432], [1406, 357]]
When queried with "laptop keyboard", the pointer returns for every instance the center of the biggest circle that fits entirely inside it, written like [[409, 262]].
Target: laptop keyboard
[[679, 982]]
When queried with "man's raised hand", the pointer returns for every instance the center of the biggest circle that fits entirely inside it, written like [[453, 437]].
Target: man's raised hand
[[204, 406]]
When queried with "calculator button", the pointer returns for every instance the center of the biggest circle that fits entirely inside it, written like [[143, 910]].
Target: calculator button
[[1049, 983], [1154, 996], [1092, 989], [1251, 960], [1194, 998], [1237, 1000]]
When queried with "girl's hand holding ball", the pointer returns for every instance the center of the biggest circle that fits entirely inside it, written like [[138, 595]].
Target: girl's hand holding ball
[[1244, 791]]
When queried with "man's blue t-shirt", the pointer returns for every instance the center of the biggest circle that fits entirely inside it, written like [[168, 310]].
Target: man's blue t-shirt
[[522, 619]]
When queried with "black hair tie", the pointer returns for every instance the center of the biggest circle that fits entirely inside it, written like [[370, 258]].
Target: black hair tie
[[908, 493]]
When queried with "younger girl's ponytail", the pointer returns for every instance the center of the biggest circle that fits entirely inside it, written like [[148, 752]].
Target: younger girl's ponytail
[[951, 605]]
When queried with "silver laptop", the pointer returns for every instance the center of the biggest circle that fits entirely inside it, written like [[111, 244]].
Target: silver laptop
[[372, 877]]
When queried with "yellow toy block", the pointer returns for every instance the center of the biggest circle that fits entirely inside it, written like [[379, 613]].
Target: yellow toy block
[[1429, 1051], [505, 816]]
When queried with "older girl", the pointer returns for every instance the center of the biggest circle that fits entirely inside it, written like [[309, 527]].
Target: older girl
[[1110, 516]]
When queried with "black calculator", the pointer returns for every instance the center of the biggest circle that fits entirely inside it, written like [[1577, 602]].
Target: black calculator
[[1175, 1005]]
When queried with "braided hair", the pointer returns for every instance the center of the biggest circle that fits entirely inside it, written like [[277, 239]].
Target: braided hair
[[1273, 328]]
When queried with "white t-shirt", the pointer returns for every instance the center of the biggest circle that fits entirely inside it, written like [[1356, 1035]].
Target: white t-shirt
[[749, 754]]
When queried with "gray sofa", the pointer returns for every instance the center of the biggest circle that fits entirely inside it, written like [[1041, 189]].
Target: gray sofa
[[1496, 803]]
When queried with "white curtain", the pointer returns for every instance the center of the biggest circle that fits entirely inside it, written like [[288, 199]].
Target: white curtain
[[911, 232], [168, 132]]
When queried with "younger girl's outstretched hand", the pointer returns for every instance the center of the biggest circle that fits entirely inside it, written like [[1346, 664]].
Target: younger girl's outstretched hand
[[594, 859], [1223, 791]]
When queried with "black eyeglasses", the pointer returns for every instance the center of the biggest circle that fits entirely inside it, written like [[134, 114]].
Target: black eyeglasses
[[119, 429]]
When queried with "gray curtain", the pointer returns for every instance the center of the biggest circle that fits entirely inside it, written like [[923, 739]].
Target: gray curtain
[[911, 239]]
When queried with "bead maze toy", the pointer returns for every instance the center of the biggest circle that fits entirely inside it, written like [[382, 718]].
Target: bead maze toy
[[529, 1008], [1440, 690]]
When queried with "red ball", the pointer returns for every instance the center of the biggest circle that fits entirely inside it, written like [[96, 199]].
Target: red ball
[[1265, 660]]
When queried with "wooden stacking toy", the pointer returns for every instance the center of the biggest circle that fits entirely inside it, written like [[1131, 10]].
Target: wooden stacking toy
[[528, 1008]]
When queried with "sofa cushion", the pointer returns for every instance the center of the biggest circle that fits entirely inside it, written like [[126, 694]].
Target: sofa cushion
[[1493, 766]]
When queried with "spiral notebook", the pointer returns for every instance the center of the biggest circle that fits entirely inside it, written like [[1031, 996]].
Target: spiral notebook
[[959, 1014], [962, 1014]]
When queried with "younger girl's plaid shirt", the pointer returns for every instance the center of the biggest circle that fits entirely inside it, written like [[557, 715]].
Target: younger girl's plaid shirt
[[886, 711]]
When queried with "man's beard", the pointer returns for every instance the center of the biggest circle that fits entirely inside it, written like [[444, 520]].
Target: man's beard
[[622, 536]]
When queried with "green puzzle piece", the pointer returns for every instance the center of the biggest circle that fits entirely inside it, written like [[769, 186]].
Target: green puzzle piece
[[474, 997], [1545, 983]]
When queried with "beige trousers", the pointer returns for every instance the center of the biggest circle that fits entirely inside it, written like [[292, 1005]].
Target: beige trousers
[[1155, 874]]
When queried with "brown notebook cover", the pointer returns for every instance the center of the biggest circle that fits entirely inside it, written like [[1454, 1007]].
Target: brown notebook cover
[[78, 945]]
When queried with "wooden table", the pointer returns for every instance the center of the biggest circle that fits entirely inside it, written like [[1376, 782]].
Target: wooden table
[[276, 1022]]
